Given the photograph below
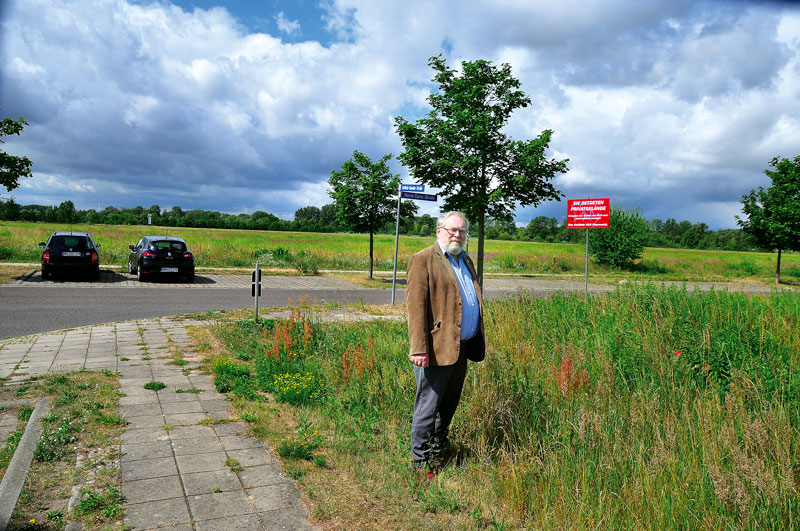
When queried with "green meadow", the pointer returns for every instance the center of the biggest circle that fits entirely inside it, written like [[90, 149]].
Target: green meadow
[[646, 408], [309, 252]]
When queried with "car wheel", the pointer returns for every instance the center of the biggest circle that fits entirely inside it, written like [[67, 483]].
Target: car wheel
[[139, 274], [95, 276], [45, 274], [190, 278], [131, 270]]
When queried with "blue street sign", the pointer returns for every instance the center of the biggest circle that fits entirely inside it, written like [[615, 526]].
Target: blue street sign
[[412, 187], [419, 197]]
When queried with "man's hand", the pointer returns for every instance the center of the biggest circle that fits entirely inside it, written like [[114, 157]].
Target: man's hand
[[420, 360]]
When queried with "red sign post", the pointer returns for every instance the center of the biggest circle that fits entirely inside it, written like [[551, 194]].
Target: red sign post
[[588, 214]]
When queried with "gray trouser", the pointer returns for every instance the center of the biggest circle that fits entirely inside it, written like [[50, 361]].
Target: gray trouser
[[438, 393]]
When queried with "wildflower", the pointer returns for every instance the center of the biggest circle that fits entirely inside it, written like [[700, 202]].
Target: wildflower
[[678, 353], [32, 520]]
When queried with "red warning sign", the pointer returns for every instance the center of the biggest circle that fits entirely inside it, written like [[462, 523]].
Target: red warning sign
[[588, 213]]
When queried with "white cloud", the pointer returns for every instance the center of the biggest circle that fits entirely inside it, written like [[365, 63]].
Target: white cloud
[[289, 27], [670, 106]]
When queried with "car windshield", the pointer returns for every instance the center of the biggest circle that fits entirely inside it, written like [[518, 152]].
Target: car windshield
[[172, 245], [76, 242]]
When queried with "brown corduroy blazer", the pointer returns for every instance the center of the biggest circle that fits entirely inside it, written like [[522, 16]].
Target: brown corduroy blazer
[[433, 302]]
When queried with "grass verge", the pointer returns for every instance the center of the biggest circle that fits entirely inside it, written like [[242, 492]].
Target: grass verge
[[79, 447]]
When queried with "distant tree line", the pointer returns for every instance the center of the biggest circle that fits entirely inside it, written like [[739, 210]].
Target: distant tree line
[[669, 233]]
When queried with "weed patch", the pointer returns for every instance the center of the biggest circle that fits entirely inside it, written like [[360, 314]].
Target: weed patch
[[155, 386]]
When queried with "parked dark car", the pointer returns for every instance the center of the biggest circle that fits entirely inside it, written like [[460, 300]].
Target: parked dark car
[[160, 255], [70, 252]]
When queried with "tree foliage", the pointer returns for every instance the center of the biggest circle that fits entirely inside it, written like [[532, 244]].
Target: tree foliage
[[622, 242], [12, 167], [460, 147], [773, 215], [365, 195]]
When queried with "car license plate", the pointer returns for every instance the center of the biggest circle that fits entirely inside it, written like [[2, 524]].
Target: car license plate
[[70, 253], [169, 269]]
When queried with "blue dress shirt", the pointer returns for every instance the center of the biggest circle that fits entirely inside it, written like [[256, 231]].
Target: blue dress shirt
[[470, 310]]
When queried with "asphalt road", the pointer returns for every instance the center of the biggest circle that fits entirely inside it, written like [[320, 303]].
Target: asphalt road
[[31, 306], [25, 310]]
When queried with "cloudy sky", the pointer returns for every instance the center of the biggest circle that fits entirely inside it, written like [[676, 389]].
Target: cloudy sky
[[672, 106]]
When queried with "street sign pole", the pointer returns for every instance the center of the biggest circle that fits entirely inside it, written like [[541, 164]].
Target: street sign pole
[[396, 240], [586, 270]]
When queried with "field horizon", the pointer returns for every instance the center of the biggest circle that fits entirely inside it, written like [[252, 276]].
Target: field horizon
[[308, 252]]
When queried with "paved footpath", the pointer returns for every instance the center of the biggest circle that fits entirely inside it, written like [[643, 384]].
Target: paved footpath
[[174, 479]]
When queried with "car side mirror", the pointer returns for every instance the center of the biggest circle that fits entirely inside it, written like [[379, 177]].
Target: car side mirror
[[131, 247], [42, 244], [97, 246]]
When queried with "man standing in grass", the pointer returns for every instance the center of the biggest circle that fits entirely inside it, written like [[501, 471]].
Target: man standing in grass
[[445, 329]]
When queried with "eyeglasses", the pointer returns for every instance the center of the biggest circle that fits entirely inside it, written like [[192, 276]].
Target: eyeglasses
[[456, 232]]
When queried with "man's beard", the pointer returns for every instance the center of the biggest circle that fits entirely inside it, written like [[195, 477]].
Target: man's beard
[[454, 248]]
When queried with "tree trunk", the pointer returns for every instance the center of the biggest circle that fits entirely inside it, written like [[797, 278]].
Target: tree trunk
[[370, 255], [778, 269]]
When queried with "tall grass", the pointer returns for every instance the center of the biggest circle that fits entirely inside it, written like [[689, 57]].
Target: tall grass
[[644, 408]]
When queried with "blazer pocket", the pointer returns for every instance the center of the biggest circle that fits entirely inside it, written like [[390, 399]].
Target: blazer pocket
[[436, 326]]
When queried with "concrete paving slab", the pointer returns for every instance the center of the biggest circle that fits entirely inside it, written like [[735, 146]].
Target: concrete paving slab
[[251, 456], [144, 435], [201, 462], [192, 432], [191, 406], [152, 515], [145, 421], [236, 442], [138, 400], [220, 504], [233, 428], [294, 518], [183, 419], [210, 482], [148, 450], [274, 497], [262, 476], [139, 410], [247, 522], [204, 445], [154, 489], [148, 468]]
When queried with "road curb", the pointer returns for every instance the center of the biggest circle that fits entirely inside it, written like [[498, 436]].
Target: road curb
[[17, 471]]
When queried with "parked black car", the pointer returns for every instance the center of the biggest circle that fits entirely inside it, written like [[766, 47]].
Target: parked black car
[[156, 255], [70, 252]]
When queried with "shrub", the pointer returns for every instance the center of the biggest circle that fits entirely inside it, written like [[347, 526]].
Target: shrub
[[622, 242]]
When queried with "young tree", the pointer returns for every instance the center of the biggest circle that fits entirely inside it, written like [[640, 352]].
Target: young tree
[[460, 147], [11, 167], [622, 242], [365, 194], [10, 210], [66, 212], [773, 215]]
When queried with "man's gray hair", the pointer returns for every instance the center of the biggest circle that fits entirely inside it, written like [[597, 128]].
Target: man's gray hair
[[443, 217]]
